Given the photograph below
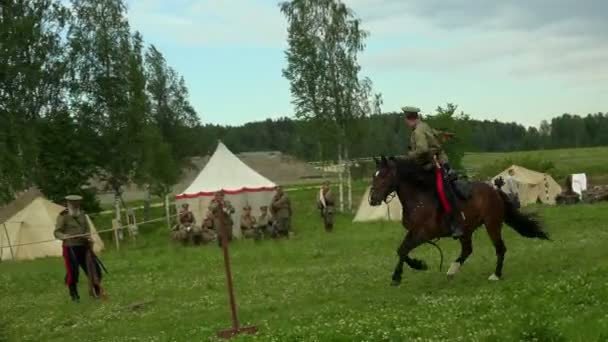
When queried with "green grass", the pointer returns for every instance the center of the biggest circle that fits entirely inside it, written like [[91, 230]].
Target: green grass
[[593, 161], [327, 287]]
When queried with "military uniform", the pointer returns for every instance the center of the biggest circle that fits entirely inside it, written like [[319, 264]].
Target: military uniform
[[327, 207], [264, 223], [186, 230], [77, 250], [248, 225], [219, 215], [281, 211], [424, 148], [208, 231]]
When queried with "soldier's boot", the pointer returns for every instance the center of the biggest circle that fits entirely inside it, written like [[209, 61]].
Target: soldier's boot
[[74, 293], [455, 225]]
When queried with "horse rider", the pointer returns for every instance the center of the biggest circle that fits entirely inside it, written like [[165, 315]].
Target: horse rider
[[72, 227], [326, 204], [222, 219], [424, 145]]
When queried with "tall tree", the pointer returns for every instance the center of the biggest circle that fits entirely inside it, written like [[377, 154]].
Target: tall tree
[[325, 38], [31, 75], [108, 87]]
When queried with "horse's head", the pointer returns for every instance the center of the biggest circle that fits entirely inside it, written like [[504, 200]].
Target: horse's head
[[384, 181]]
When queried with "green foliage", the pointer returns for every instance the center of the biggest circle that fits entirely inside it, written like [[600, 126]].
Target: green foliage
[[158, 169], [446, 119]]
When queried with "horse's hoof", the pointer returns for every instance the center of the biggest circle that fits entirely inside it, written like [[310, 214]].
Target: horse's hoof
[[493, 277], [454, 268], [395, 282]]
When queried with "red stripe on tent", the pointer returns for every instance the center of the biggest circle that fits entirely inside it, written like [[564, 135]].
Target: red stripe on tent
[[66, 260], [441, 191], [227, 192]]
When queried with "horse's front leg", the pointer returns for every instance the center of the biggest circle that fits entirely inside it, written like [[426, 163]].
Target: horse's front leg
[[410, 242]]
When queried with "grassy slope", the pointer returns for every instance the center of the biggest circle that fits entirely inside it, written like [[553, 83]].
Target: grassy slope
[[593, 161], [327, 287]]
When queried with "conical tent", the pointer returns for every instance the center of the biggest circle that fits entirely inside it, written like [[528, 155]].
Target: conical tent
[[532, 186], [33, 221], [242, 185], [384, 212]]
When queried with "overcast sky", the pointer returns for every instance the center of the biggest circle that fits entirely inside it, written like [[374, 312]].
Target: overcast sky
[[511, 60]]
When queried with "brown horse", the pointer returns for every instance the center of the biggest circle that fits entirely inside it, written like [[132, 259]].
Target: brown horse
[[425, 221]]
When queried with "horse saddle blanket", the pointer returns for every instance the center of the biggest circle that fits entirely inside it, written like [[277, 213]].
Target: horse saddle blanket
[[463, 188]]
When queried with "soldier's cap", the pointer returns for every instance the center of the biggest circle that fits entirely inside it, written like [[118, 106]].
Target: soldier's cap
[[247, 207], [185, 205], [264, 207], [73, 198], [410, 111]]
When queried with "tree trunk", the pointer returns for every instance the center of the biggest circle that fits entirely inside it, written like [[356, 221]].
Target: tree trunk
[[340, 177], [167, 212], [147, 201], [117, 214], [348, 181]]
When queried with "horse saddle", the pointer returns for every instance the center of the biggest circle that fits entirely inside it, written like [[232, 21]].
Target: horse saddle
[[461, 185]]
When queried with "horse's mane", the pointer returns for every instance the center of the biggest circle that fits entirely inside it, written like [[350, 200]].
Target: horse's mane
[[409, 170]]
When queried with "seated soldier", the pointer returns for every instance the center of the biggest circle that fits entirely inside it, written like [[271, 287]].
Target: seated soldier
[[264, 223], [186, 218], [248, 223], [208, 232]]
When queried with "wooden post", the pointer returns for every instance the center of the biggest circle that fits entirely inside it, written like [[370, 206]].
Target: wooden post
[[115, 225], [235, 329], [340, 178], [8, 240], [167, 212], [118, 231]]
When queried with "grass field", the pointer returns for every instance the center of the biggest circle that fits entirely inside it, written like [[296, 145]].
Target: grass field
[[327, 287], [593, 161]]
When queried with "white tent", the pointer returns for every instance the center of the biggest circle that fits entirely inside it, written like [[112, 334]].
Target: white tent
[[242, 185], [29, 219], [386, 212], [532, 186]]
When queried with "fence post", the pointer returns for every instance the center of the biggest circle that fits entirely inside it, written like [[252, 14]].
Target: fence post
[[8, 240]]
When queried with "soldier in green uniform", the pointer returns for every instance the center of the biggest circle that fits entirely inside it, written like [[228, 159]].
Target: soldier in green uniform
[[72, 227], [248, 223], [222, 219], [264, 223], [326, 205], [209, 233], [281, 211], [425, 147]]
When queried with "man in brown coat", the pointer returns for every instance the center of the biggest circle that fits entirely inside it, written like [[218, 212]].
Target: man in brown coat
[[248, 224], [222, 211], [281, 211], [327, 206]]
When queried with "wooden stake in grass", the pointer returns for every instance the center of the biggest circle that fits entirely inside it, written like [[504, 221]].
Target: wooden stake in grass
[[235, 329]]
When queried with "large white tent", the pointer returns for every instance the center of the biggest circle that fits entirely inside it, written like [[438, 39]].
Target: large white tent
[[384, 212], [242, 185], [532, 186], [29, 219]]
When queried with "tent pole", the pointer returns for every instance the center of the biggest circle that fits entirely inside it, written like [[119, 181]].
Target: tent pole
[[8, 240]]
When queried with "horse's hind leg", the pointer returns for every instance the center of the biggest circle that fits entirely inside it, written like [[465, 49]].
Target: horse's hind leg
[[499, 246], [466, 248], [410, 242]]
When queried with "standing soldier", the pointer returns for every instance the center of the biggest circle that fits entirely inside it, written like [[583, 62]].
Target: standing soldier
[[222, 219], [327, 206], [73, 229], [281, 211], [248, 223], [426, 149]]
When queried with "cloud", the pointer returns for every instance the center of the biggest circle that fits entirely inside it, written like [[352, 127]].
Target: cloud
[[556, 39], [226, 23]]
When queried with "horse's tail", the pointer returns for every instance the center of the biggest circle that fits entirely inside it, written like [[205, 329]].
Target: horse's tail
[[526, 224]]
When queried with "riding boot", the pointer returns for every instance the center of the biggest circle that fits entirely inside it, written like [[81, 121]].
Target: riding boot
[[74, 293], [455, 225]]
